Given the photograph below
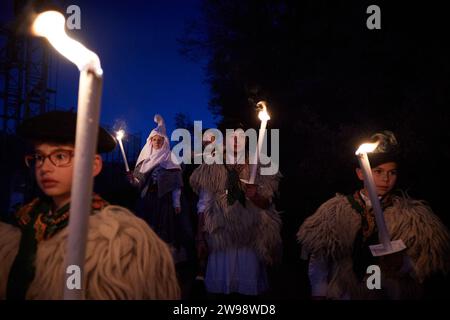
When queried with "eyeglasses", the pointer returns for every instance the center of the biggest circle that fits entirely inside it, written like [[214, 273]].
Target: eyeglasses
[[59, 158]]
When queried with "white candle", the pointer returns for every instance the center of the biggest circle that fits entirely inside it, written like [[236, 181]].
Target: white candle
[[264, 117], [119, 137], [369, 183], [51, 24]]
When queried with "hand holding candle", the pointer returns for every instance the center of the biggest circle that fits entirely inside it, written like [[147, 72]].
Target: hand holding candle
[[119, 135]]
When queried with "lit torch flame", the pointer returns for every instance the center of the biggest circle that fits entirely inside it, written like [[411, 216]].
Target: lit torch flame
[[50, 24], [120, 134], [263, 115], [366, 148]]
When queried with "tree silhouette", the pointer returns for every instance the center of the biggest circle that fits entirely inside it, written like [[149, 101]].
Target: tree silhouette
[[330, 81]]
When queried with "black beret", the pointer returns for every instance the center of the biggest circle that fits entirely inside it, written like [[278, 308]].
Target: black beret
[[388, 149], [60, 127], [377, 159]]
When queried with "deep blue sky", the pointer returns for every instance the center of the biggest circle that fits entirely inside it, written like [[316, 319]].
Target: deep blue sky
[[144, 72]]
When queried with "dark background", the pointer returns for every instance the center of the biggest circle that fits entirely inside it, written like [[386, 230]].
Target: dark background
[[330, 83]]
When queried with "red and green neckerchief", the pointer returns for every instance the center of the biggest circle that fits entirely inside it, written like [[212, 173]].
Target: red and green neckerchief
[[37, 223], [368, 224]]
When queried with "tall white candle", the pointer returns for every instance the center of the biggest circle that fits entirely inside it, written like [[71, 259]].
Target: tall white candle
[[264, 117], [119, 137], [89, 96], [50, 24], [369, 184]]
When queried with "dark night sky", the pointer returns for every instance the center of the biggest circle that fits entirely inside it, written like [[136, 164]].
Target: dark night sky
[[144, 71]]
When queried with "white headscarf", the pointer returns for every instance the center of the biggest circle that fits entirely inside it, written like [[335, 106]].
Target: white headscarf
[[150, 157]]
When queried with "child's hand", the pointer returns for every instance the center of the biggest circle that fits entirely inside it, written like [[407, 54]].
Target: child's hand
[[130, 175]]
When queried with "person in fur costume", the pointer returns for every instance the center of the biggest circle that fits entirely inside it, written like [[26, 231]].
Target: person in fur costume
[[239, 228], [337, 236], [125, 259]]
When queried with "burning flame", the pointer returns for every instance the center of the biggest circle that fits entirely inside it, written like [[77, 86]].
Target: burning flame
[[50, 24], [263, 115], [120, 134], [366, 148]]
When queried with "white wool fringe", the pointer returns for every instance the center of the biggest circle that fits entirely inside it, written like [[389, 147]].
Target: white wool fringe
[[125, 259], [425, 236], [9, 246], [331, 230], [235, 226]]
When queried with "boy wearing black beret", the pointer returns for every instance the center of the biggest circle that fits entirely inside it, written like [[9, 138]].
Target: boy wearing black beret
[[336, 238], [125, 259]]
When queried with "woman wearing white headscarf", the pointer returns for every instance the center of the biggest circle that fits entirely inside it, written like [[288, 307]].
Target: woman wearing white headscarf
[[159, 181]]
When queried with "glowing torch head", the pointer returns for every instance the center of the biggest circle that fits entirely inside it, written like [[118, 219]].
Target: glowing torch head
[[366, 148], [263, 115], [51, 25], [120, 134]]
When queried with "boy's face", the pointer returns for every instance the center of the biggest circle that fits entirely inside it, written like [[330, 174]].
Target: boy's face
[[384, 176], [54, 169], [54, 175], [237, 141]]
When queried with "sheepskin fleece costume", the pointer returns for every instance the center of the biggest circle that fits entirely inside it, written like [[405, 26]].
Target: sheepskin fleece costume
[[125, 259], [236, 226], [331, 230]]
